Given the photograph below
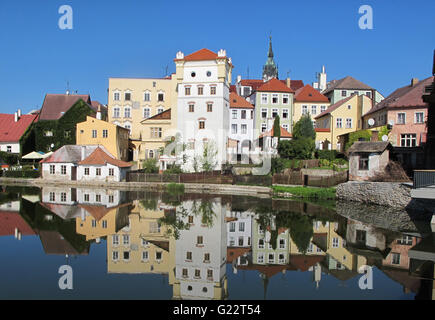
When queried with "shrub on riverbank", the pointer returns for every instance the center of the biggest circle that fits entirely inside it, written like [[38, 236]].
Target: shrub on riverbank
[[21, 174], [307, 193], [175, 188]]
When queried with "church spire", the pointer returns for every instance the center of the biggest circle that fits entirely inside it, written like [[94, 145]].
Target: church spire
[[270, 69]]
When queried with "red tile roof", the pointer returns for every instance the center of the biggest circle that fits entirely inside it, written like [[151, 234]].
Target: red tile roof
[[97, 212], [308, 93], [304, 262], [203, 54], [408, 96], [233, 88], [11, 131], [55, 105], [237, 101], [274, 85], [11, 220], [234, 253], [255, 83], [284, 133], [335, 106], [165, 115], [99, 157]]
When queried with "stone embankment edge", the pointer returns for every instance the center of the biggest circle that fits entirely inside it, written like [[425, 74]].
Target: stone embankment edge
[[225, 189]]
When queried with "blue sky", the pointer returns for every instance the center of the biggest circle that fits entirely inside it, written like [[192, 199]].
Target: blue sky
[[135, 38]]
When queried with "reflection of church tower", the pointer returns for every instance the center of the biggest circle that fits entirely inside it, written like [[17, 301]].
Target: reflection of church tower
[[317, 274], [270, 69]]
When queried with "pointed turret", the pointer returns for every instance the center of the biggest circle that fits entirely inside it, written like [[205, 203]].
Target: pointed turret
[[270, 69]]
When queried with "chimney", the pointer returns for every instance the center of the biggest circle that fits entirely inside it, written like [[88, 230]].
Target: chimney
[[67, 92], [16, 116], [239, 78], [288, 82], [19, 113], [99, 112], [83, 156], [414, 81]]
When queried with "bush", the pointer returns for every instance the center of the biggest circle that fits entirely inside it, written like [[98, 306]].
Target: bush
[[173, 170], [326, 154], [150, 166], [362, 135], [277, 165], [10, 158], [301, 148], [304, 128], [21, 174], [324, 163]]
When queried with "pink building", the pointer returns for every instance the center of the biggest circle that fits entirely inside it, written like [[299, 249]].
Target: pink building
[[406, 114]]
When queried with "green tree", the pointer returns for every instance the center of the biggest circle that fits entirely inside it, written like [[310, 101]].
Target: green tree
[[304, 128], [277, 128], [208, 160], [301, 148], [150, 166], [361, 135]]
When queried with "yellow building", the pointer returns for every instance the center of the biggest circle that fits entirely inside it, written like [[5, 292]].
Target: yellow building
[[98, 132], [131, 101], [308, 101], [141, 247], [342, 117], [101, 221]]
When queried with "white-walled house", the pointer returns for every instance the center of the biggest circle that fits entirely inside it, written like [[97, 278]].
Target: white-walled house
[[204, 79], [241, 118], [12, 128], [83, 163], [239, 228], [200, 252]]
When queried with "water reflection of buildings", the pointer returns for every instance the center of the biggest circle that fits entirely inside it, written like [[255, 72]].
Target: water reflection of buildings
[[200, 251]]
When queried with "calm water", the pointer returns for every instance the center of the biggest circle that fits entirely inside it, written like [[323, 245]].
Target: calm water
[[139, 245]]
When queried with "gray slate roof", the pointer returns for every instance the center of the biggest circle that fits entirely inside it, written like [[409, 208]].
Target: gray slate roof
[[367, 146], [71, 154], [347, 83]]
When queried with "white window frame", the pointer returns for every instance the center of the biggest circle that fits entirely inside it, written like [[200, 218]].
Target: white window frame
[[304, 110], [284, 96], [262, 111], [146, 111], [234, 114], [275, 96], [349, 123], [285, 112], [404, 118], [339, 123], [147, 96], [416, 118], [264, 98]]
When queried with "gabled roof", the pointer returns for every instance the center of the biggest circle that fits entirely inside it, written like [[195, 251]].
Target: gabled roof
[[55, 105], [203, 54], [54, 243], [347, 83], [102, 158], [10, 220], [408, 96], [256, 83], [165, 115], [274, 85], [70, 154], [335, 106], [308, 93], [369, 146], [284, 133], [11, 131], [237, 101]]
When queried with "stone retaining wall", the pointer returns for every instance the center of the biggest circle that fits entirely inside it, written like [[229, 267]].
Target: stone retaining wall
[[395, 195]]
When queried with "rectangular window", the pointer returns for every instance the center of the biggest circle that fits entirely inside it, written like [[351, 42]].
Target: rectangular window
[[212, 90], [52, 169], [127, 113], [126, 255], [246, 91], [115, 240], [146, 113], [94, 223], [274, 113], [339, 123], [160, 97], [111, 199], [263, 127], [401, 118], [244, 129], [158, 255], [234, 128], [264, 98], [86, 171], [313, 110], [191, 107], [282, 243], [105, 133], [260, 258], [274, 98], [145, 255], [111, 172], [200, 91], [240, 241], [94, 134], [322, 108], [189, 256], [86, 197], [369, 94], [202, 124], [234, 114], [271, 258], [199, 240], [126, 239], [242, 227], [344, 93], [63, 197], [419, 117], [406, 240], [335, 242], [232, 226], [285, 113], [185, 273], [363, 162], [98, 198], [260, 243], [52, 196], [395, 258], [348, 123], [408, 140], [206, 257], [285, 126], [281, 258], [210, 274], [127, 96], [197, 273], [209, 107], [63, 170], [285, 99], [156, 132], [146, 96], [115, 256], [264, 113], [187, 91], [98, 171], [243, 114], [116, 113], [304, 110], [104, 224], [116, 96]]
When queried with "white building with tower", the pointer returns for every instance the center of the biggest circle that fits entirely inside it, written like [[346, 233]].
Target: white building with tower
[[203, 83]]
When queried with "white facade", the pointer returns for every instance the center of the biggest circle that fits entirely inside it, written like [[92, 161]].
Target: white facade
[[10, 147], [241, 128], [200, 254], [107, 173], [239, 229], [59, 171], [196, 121]]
